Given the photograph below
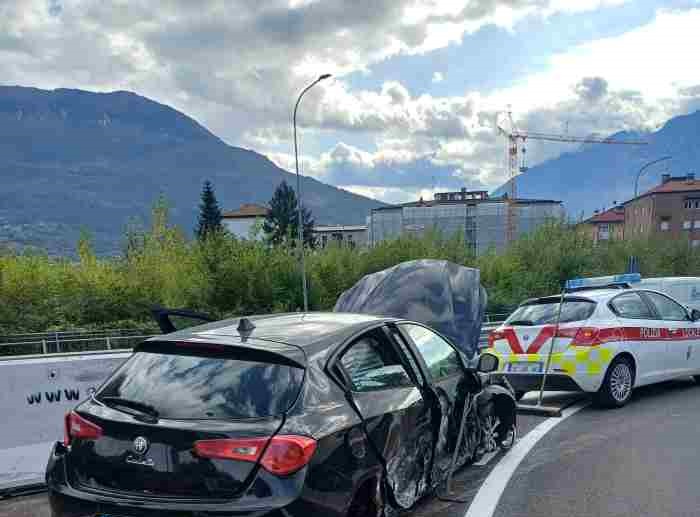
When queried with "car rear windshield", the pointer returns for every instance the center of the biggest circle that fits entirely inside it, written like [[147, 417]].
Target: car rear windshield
[[544, 312], [193, 386]]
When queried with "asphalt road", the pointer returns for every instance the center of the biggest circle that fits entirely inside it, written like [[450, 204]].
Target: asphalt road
[[641, 460]]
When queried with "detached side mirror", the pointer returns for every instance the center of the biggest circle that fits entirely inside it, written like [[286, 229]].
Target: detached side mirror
[[487, 363], [695, 315]]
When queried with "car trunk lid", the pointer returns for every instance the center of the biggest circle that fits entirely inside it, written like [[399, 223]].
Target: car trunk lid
[[139, 434]]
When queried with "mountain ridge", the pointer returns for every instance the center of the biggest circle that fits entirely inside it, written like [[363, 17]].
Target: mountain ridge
[[73, 159]]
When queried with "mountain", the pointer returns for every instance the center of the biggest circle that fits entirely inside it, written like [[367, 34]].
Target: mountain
[[72, 159], [597, 175]]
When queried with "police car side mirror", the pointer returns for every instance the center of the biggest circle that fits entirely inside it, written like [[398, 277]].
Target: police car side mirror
[[695, 315], [487, 363]]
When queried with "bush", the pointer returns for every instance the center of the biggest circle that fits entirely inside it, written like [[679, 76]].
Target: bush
[[225, 276]]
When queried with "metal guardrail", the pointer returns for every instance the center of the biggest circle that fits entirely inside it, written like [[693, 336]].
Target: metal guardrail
[[85, 341], [92, 343]]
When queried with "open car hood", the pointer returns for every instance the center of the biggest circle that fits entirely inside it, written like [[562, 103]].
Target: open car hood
[[438, 293]]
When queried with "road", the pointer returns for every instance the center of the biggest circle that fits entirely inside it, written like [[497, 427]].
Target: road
[[641, 461]]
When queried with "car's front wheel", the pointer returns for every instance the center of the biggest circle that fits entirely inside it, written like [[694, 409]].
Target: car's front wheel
[[617, 384]]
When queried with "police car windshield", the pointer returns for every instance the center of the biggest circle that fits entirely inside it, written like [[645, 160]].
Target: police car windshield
[[544, 312]]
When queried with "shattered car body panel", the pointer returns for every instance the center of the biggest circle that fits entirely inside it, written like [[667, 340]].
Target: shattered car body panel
[[445, 296]]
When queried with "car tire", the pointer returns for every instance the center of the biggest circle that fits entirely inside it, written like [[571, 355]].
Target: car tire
[[519, 394], [618, 384]]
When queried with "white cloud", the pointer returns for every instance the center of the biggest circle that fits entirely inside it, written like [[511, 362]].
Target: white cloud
[[238, 65]]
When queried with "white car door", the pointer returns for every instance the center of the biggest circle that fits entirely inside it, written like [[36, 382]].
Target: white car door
[[679, 333], [643, 334]]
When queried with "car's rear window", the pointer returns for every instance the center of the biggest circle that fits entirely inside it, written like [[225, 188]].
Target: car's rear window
[[544, 312], [205, 387]]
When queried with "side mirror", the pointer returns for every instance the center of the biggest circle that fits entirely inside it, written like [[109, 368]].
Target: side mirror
[[695, 315], [487, 363]]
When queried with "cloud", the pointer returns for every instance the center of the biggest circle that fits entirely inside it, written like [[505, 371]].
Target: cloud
[[238, 65], [235, 65], [591, 89]]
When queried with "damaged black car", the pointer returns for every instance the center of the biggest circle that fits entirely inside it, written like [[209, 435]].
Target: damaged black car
[[358, 412], [329, 414]]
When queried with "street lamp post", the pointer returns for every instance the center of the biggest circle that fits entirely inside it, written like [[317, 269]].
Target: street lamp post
[[644, 167], [299, 202]]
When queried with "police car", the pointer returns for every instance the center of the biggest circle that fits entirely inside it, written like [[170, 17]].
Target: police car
[[608, 338]]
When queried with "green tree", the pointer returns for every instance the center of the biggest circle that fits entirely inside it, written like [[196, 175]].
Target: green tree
[[282, 221], [209, 212]]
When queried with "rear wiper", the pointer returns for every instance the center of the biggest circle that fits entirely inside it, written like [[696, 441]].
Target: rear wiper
[[141, 407], [525, 323]]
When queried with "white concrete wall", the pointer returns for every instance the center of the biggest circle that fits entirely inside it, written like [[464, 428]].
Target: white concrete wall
[[36, 394], [241, 228]]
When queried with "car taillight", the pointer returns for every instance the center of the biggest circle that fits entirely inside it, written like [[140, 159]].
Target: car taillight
[[78, 427], [586, 336], [281, 455], [495, 335]]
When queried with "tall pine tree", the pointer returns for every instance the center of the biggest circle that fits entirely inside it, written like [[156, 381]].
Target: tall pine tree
[[209, 213], [282, 221]]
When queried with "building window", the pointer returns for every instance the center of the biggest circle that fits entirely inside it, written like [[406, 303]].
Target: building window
[[688, 204], [686, 225], [603, 232], [665, 225]]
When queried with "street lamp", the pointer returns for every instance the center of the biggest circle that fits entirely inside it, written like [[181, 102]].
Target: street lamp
[[636, 181], [301, 206]]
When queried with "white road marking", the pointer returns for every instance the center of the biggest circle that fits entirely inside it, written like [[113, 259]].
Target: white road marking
[[486, 458], [486, 500]]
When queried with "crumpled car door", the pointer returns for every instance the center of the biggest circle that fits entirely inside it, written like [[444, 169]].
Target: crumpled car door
[[399, 425], [397, 418]]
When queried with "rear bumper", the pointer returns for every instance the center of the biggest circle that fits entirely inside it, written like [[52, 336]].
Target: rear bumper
[[267, 494]]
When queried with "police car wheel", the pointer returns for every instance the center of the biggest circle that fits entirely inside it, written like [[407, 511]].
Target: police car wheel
[[617, 385]]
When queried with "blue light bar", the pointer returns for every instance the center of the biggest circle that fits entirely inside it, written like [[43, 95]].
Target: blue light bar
[[602, 281]]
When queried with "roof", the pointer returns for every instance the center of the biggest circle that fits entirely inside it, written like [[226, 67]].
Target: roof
[[673, 186], [340, 228], [436, 202], [297, 329], [614, 215], [246, 210]]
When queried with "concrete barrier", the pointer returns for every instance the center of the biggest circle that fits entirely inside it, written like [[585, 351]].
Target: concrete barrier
[[37, 392]]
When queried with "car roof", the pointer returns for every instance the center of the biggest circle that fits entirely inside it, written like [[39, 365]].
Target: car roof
[[596, 295], [296, 329]]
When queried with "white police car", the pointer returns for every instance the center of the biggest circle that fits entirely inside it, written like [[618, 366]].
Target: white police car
[[611, 338]]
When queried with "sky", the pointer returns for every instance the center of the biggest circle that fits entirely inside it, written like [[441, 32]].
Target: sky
[[418, 86]]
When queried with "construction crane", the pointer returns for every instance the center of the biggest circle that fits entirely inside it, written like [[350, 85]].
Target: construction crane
[[514, 136]]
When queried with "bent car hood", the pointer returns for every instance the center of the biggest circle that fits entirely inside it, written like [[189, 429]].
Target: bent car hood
[[438, 293]]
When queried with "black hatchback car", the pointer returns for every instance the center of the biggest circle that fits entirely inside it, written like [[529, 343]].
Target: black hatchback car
[[325, 414]]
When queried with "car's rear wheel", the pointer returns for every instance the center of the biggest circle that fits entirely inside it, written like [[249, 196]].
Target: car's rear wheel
[[617, 384]]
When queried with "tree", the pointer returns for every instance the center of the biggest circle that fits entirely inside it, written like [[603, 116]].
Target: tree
[[209, 213], [282, 221]]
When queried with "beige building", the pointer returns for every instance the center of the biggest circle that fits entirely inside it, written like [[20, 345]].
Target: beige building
[[670, 209], [242, 222], [606, 226], [349, 235]]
